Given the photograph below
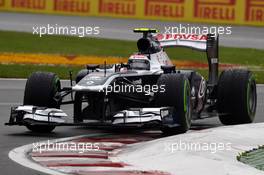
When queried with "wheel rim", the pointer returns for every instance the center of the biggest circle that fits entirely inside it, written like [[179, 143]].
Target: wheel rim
[[251, 97], [57, 87], [187, 104]]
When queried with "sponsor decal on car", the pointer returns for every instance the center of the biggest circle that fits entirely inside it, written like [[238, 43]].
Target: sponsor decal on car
[[215, 9], [94, 78], [139, 81], [165, 8], [193, 37], [90, 82], [214, 60], [254, 10]]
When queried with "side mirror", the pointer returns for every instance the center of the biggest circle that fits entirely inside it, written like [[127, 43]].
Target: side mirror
[[92, 67]]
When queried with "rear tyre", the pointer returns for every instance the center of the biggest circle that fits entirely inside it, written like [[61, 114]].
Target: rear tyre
[[237, 97], [42, 90], [177, 95]]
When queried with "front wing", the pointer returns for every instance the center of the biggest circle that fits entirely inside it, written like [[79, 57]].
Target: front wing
[[132, 117]]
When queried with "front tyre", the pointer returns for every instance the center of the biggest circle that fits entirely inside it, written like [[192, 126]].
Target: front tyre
[[42, 90], [237, 97], [81, 74], [40, 128], [177, 94]]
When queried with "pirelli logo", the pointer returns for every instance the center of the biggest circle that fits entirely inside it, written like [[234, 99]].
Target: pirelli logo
[[215, 9], [2, 3], [79, 6], [29, 4], [255, 10], [117, 7], [164, 8]]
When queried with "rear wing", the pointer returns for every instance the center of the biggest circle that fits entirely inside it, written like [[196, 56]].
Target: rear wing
[[206, 43]]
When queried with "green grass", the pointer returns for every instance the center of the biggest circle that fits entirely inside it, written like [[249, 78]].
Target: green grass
[[22, 71], [28, 43], [254, 158], [17, 42]]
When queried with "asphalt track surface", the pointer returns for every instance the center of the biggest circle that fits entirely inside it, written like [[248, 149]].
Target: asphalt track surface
[[11, 93], [244, 37]]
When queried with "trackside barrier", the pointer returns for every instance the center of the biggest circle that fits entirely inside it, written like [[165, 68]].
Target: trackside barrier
[[241, 12]]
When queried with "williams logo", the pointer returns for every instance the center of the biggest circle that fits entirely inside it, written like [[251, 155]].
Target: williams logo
[[255, 10], [215, 9], [165, 8], [117, 7]]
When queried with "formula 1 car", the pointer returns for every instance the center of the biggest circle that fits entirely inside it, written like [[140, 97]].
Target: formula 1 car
[[148, 91]]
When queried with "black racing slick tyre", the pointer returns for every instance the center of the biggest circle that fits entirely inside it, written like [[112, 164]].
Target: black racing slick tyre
[[177, 95], [237, 97], [40, 128], [42, 90], [77, 108]]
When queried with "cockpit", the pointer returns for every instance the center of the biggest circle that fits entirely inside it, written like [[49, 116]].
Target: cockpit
[[139, 64]]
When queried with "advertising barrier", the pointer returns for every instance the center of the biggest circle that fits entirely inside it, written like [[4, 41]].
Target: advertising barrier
[[2, 4], [241, 12], [254, 11]]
